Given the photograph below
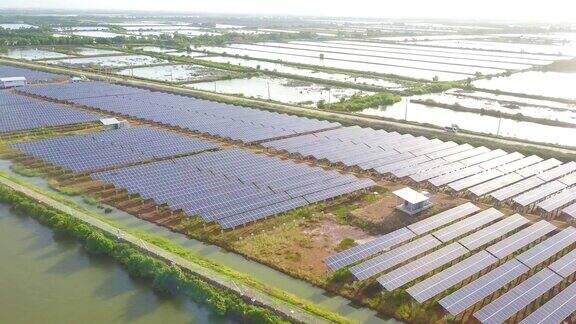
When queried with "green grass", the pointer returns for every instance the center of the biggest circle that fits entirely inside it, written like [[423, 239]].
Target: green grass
[[24, 171]]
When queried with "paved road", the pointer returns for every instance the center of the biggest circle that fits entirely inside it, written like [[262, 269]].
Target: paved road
[[250, 294], [342, 117]]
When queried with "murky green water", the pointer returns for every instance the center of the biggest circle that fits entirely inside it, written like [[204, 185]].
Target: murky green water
[[44, 280]]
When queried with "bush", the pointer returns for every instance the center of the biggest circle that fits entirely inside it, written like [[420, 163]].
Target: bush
[[345, 244], [359, 102]]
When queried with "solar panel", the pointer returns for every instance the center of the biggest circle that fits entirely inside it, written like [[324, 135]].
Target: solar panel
[[494, 184], [516, 188], [466, 154], [518, 240], [518, 297], [33, 76], [569, 180], [566, 265], [415, 269], [450, 151], [538, 167], [556, 310], [365, 250], [469, 224], [548, 248], [563, 198], [231, 187], [488, 156], [434, 285], [570, 210], [493, 232], [95, 151], [519, 164], [18, 113], [455, 175], [217, 119], [483, 287], [474, 180], [537, 194], [433, 222], [558, 171], [394, 257], [502, 160]]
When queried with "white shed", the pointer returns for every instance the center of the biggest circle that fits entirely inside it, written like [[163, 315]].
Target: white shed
[[11, 82], [413, 201], [113, 123]]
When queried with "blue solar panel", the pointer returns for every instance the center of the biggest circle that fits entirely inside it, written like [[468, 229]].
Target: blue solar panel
[[232, 187], [97, 151], [19, 113], [32, 76], [207, 117]]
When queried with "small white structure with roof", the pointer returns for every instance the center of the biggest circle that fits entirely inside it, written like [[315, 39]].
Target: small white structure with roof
[[11, 82], [413, 201], [113, 123]]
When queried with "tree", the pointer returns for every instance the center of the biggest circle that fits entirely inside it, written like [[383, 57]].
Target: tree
[[435, 78], [321, 56]]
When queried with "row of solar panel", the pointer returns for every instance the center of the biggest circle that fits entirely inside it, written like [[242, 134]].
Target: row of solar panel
[[87, 152], [218, 119], [19, 113], [34, 76], [232, 187], [480, 171], [500, 309]]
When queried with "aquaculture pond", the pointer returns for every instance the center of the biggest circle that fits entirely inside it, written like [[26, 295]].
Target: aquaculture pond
[[175, 73], [110, 61], [283, 68], [475, 122], [548, 84], [31, 54], [279, 89]]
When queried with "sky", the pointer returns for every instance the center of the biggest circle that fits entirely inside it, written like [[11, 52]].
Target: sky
[[507, 10]]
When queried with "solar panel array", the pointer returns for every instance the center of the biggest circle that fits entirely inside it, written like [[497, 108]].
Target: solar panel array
[[479, 170], [467, 225], [518, 297], [482, 287], [566, 265], [433, 286], [368, 249], [19, 113], [415, 269], [227, 121], [232, 187], [7, 71], [493, 232], [548, 248], [394, 257], [522, 238], [435, 221], [556, 310], [95, 151]]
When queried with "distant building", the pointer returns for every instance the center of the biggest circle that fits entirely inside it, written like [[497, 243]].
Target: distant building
[[11, 82], [413, 201], [113, 123]]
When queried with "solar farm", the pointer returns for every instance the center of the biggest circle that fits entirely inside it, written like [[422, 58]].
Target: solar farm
[[225, 172], [474, 263]]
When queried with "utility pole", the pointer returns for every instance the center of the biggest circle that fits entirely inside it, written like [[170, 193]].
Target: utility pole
[[406, 110], [499, 124], [268, 84]]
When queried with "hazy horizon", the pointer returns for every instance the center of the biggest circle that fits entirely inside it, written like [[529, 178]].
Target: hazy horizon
[[555, 11]]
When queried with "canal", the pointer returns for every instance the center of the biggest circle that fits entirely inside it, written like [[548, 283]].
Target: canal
[[49, 280]]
